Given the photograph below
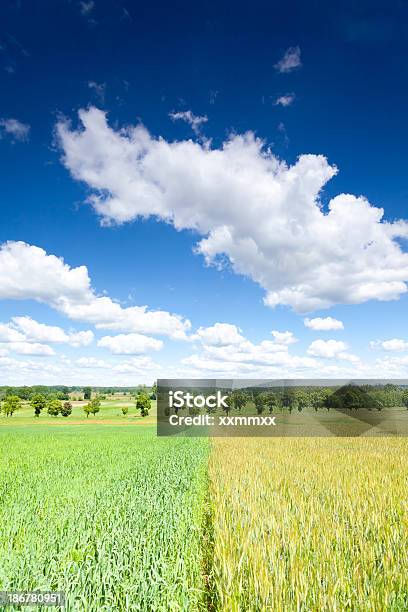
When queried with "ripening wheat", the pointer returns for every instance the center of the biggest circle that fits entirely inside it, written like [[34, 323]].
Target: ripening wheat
[[310, 524]]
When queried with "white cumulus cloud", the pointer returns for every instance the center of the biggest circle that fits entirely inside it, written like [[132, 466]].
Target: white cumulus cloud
[[394, 344], [135, 365], [220, 334], [28, 272], [29, 348], [130, 344], [264, 216], [9, 334], [226, 350], [81, 338], [91, 362], [329, 349], [323, 324], [26, 336], [286, 337], [40, 332]]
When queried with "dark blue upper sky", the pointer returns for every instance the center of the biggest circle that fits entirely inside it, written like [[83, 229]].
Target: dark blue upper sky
[[216, 59]]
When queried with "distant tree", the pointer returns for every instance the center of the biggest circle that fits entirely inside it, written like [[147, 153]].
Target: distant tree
[[23, 393], [229, 401], [391, 395], [239, 399], [404, 398], [8, 391], [11, 404], [259, 400], [54, 406], [66, 409], [95, 405], [289, 399], [38, 402], [353, 397], [143, 404], [87, 393], [153, 393], [88, 409], [316, 399], [271, 401], [125, 410], [63, 394], [303, 399]]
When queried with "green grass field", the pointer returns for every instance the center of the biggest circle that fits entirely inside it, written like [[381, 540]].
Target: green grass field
[[120, 519], [111, 411]]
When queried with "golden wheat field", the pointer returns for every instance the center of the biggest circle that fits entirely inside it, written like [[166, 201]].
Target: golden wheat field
[[309, 524]]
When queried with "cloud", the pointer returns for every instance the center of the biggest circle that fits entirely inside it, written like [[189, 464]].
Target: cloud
[[251, 209], [99, 89], [290, 60], [135, 365], [285, 338], [130, 344], [331, 349], [193, 120], [395, 344], [104, 313], [28, 272], [323, 324], [25, 336], [220, 334], [392, 367], [82, 338], [285, 100], [204, 363], [40, 331], [92, 362], [86, 7], [15, 129], [226, 350], [29, 348], [10, 334], [257, 361], [266, 352]]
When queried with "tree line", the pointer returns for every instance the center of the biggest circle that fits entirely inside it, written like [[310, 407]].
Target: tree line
[[55, 406], [65, 393], [347, 397]]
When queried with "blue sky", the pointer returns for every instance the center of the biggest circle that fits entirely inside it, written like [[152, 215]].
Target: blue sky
[[132, 206]]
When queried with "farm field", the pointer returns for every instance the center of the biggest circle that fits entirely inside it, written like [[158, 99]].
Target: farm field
[[122, 520], [110, 516], [110, 412], [310, 524]]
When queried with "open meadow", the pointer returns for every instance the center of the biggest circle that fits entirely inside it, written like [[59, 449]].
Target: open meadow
[[120, 519]]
